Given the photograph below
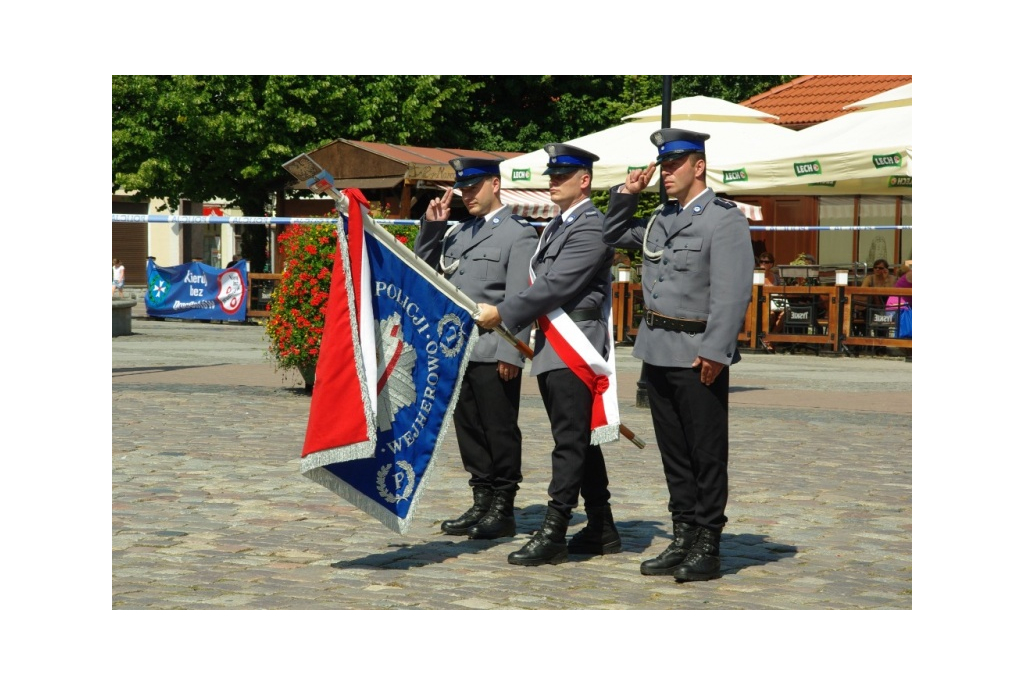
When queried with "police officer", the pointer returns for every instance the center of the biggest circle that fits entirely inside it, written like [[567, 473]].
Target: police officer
[[485, 257], [698, 264], [571, 274]]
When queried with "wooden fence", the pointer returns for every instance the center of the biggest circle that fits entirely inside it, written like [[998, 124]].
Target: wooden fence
[[825, 318]]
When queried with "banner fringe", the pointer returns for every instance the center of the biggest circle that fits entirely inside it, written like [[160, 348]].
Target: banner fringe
[[358, 450], [603, 434]]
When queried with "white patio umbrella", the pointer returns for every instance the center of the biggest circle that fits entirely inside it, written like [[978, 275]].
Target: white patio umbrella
[[867, 150], [736, 132]]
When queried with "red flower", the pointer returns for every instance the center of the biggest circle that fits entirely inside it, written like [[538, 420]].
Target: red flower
[[295, 327]]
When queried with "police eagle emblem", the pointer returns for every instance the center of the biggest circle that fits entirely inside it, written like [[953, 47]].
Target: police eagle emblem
[[396, 359]]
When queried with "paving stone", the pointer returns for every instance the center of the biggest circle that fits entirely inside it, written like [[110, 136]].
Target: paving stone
[[209, 510]]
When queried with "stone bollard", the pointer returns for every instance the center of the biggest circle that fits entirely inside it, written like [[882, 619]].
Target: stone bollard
[[121, 316]]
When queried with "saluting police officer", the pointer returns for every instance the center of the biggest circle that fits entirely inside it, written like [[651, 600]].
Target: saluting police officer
[[485, 257], [698, 265], [572, 272]]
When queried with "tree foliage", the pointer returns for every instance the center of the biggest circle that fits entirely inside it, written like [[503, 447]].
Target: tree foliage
[[206, 137]]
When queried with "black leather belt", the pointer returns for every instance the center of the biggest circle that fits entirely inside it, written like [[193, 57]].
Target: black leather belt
[[586, 314], [656, 320]]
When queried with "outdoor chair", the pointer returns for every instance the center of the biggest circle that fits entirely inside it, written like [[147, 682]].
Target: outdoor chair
[[882, 322], [800, 319]]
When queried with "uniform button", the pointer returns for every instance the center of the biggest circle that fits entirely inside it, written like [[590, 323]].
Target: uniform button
[[668, 244], [462, 272], [660, 279], [655, 295]]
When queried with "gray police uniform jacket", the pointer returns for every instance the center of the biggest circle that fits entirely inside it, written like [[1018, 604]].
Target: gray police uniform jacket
[[492, 264], [573, 271], [705, 272]]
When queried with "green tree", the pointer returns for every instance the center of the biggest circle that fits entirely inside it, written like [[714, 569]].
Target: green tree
[[522, 113], [205, 137]]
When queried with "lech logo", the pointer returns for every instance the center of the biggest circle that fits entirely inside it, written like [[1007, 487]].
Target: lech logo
[[900, 181], [731, 176], [520, 174], [882, 161], [806, 168]]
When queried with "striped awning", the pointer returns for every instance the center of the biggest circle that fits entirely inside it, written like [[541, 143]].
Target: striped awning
[[752, 212], [529, 204]]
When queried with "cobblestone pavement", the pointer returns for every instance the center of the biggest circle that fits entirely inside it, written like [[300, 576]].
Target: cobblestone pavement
[[209, 510]]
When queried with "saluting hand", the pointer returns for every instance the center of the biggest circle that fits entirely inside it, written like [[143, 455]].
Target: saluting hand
[[439, 207], [638, 179]]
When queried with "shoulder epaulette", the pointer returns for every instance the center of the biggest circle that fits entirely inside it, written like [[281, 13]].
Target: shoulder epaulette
[[521, 220], [590, 212], [728, 204]]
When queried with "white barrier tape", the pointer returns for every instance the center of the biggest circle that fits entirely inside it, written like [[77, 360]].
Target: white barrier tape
[[279, 220]]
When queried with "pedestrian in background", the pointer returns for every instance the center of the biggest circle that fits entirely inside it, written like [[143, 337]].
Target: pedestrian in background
[[697, 269], [118, 278]]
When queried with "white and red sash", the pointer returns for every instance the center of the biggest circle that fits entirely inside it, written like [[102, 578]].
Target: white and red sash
[[597, 373]]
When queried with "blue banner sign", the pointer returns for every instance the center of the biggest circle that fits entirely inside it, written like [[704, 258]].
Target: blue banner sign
[[197, 291]]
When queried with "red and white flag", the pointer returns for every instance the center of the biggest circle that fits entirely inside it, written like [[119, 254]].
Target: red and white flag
[[341, 414]]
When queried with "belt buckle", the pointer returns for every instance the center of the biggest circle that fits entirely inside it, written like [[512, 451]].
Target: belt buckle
[[649, 317]]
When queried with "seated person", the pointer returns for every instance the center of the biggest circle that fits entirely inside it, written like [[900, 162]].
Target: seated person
[[879, 278], [776, 305], [904, 281], [809, 280]]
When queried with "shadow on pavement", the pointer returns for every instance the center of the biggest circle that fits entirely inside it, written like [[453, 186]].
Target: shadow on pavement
[[745, 550], [742, 388], [134, 370], [414, 556]]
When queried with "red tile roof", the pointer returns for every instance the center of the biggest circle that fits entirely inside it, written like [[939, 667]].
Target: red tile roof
[[809, 100]]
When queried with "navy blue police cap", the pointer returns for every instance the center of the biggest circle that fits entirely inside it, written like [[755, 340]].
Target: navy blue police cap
[[565, 159], [677, 142], [471, 170]]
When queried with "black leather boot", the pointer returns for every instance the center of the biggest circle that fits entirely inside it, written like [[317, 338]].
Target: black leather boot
[[482, 498], [599, 536], [702, 562], [547, 546], [499, 521], [672, 558]]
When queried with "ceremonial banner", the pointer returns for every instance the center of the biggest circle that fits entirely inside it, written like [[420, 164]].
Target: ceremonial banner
[[408, 367], [197, 291]]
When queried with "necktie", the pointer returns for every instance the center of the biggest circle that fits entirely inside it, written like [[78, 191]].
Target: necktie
[[477, 223], [553, 227]]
